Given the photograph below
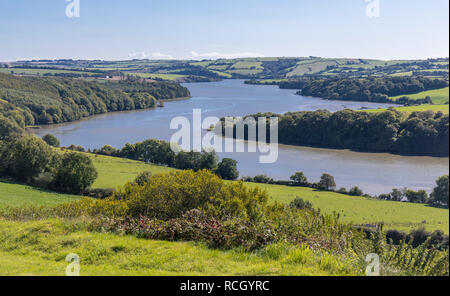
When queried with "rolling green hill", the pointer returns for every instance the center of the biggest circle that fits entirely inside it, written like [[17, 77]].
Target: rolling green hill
[[438, 96], [244, 68]]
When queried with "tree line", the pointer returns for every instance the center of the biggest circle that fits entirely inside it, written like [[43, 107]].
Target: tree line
[[31, 160], [160, 153], [41, 100], [370, 89], [438, 198], [418, 133]]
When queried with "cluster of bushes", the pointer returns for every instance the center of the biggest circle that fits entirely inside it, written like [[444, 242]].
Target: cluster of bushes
[[439, 197], [418, 133], [160, 152], [298, 179], [40, 100], [29, 159], [415, 238], [370, 89]]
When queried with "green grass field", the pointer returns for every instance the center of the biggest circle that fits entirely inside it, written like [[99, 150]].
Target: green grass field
[[443, 108], [16, 195], [114, 172], [360, 210], [40, 248], [438, 96]]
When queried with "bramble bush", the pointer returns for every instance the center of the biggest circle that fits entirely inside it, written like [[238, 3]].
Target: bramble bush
[[171, 195]]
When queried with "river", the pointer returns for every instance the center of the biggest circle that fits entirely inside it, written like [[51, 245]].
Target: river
[[374, 172]]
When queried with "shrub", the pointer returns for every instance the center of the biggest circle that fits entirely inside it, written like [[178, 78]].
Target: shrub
[[440, 195], [342, 190], [395, 236], [107, 150], [227, 169], [143, 178], [75, 173], [355, 191], [171, 195], [99, 193], [417, 237], [300, 204], [327, 182], [263, 179], [25, 158], [51, 140], [299, 179]]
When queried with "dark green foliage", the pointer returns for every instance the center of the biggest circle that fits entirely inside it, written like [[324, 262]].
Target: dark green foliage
[[327, 182], [395, 237], [299, 179], [171, 195], [440, 195], [51, 140], [9, 129], [107, 150], [262, 179], [355, 191], [143, 178], [371, 89], [39, 100], [419, 133], [75, 173], [227, 169], [25, 158], [420, 196], [99, 193], [300, 204]]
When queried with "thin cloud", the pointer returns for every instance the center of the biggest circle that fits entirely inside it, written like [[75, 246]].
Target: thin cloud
[[152, 56], [216, 55]]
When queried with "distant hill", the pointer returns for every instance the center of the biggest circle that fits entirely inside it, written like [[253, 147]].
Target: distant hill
[[242, 68]]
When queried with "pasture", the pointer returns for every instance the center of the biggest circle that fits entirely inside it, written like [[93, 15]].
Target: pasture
[[438, 96], [40, 247]]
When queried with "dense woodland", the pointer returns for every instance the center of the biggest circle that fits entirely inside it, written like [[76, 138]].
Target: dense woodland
[[38, 100], [372, 89], [420, 133]]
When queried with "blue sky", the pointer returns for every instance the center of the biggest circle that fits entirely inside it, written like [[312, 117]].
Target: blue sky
[[115, 29]]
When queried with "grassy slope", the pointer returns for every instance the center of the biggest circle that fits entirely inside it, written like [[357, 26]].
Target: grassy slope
[[114, 172], [438, 96], [397, 215], [40, 248], [443, 108], [17, 195]]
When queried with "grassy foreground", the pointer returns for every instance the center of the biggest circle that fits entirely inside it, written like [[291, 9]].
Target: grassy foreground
[[40, 248]]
